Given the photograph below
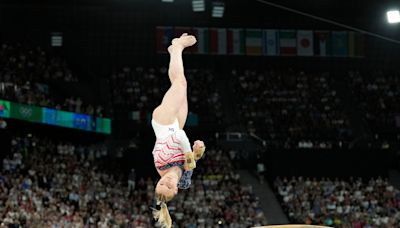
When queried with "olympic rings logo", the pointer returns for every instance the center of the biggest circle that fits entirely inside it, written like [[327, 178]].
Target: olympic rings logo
[[25, 112]]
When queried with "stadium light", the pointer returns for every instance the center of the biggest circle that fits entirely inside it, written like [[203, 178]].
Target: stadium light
[[218, 9], [393, 16], [198, 5], [56, 39]]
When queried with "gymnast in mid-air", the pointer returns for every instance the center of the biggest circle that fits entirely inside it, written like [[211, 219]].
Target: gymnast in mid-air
[[172, 153]]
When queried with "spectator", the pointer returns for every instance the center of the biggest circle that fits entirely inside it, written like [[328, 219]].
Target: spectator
[[132, 180]]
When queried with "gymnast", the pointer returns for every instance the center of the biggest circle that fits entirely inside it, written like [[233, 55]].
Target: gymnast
[[173, 156]]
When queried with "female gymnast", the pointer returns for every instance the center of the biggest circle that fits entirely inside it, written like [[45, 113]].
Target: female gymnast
[[173, 156]]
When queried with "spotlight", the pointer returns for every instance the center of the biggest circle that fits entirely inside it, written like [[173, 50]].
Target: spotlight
[[56, 39], [393, 16], [198, 5], [218, 9]]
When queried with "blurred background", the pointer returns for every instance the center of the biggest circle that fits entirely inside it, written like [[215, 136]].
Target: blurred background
[[297, 102]]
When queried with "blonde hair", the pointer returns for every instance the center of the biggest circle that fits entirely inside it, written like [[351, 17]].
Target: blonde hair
[[162, 216]]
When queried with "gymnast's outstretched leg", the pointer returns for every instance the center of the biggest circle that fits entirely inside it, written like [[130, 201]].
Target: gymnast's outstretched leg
[[174, 104], [175, 70]]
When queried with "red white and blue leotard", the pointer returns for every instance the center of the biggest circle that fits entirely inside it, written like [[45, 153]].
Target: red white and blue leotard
[[171, 143]]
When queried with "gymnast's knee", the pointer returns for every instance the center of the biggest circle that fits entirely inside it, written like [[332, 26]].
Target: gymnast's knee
[[181, 82]]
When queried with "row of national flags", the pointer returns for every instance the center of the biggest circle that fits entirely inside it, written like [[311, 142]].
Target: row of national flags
[[266, 42]]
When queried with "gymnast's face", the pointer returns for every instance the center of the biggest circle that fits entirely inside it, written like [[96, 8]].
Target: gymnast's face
[[167, 186]]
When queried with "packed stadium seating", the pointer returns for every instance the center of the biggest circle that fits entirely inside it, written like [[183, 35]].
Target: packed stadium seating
[[48, 183], [351, 202], [27, 74], [293, 109], [376, 93], [141, 89]]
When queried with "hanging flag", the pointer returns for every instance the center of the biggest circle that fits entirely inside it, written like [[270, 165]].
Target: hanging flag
[[203, 40], [164, 35], [356, 44], [270, 39], [178, 31], [254, 42], [218, 41], [339, 43], [235, 41], [222, 41], [194, 49], [322, 43], [287, 42], [305, 43]]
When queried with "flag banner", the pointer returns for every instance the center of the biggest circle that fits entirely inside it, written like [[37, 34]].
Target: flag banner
[[218, 39], [164, 35], [203, 40], [54, 117], [270, 42], [266, 42], [305, 43], [322, 43], [235, 41], [287, 42], [254, 42], [356, 44], [339, 43]]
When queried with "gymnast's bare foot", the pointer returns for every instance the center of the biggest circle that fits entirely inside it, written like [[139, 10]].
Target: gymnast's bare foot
[[182, 42]]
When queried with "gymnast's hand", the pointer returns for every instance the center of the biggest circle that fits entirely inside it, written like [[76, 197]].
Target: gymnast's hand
[[198, 149]]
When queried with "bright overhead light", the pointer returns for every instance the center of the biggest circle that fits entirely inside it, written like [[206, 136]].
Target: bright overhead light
[[56, 39], [198, 5], [218, 9], [393, 16], [167, 0]]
